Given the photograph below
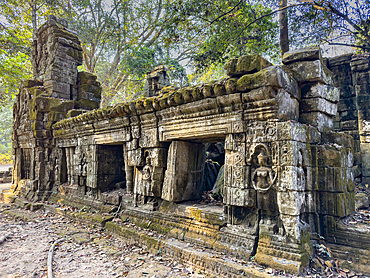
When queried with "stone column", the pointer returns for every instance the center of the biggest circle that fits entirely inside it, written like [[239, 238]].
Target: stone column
[[184, 175], [318, 104], [360, 65]]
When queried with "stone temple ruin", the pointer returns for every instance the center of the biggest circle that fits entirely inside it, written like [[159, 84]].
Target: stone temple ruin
[[295, 139]]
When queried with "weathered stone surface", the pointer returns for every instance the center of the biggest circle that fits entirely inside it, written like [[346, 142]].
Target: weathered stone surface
[[302, 54], [362, 201], [55, 58], [310, 71], [318, 90], [360, 63], [273, 76], [245, 65], [319, 120], [183, 177], [318, 105], [336, 204], [156, 80], [145, 156], [269, 103], [365, 154], [340, 60]]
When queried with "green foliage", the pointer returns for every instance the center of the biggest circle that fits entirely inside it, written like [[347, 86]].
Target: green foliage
[[6, 124], [14, 68], [124, 39], [16, 32], [334, 22], [215, 30], [213, 72]]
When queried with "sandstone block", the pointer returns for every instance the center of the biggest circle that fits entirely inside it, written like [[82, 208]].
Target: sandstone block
[[273, 76], [291, 202], [245, 64], [318, 105], [183, 177], [135, 158], [332, 179], [319, 120], [292, 178], [365, 152], [340, 60], [318, 90], [230, 86], [302, 54], [310, 71], [360, 63], [290, 130], [362, 201], [328, 156], [341, 139], [349, 125], [336, 204]]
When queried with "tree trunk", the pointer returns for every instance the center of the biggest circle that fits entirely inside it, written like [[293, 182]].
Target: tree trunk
[[33, 6], [283, 20], [33, 10]]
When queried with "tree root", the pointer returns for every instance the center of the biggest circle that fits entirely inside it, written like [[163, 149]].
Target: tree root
[[51, 253], [4, 238], [50, 257]]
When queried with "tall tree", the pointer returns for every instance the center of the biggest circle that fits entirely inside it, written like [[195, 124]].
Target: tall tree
[[334, 22], [284, 31]]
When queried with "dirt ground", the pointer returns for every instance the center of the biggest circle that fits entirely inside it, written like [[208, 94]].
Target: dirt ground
[[85, 252]]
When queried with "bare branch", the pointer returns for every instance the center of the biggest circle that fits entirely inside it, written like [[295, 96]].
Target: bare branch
[[226, 13]]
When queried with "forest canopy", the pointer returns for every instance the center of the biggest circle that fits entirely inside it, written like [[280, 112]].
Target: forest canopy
[[124, 39]]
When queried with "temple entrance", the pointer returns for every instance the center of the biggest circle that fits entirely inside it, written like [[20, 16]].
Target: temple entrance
[[111, 167], [192, 171], [26, 163], [63, 168]]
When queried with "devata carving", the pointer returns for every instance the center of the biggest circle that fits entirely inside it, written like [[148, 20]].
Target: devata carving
[[263, 178]]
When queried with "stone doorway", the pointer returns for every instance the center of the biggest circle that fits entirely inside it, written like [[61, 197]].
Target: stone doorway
[[189, 167], [26, 163], [111, 168]]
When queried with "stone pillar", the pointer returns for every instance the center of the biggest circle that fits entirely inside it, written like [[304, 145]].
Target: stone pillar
[[238, 191], [184, 175], [360, 65], [318, 104], [56, 54], [155, 81]]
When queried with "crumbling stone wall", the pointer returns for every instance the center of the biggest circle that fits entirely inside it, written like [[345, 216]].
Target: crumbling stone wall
[[282, 177], [286, 173], [351, 75], [57, 92]]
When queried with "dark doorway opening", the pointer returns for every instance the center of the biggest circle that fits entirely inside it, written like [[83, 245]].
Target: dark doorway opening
[[26, 163], [63, 167], [111, 168]]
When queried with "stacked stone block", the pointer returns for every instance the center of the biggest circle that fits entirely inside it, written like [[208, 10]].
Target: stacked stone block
[[335, 182], [351, 75], [360, 66], [88, 91], [45, 101], [155, 81], [56, 54], [318, 100]]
